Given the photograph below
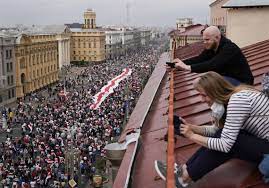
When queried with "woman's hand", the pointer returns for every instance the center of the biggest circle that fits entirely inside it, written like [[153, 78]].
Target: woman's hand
[[186, 130], [183, 121]]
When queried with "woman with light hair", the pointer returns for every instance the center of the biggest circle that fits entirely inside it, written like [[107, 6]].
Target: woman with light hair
[[240, 128]]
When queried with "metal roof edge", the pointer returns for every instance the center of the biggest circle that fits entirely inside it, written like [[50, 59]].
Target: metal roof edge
[[145, 100], [131, 150], [243, 6]]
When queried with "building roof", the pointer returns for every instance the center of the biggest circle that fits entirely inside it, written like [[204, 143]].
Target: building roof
[[75, 25], [245, 3], [35, 30], [187, 103], [85, 30], [216, 2], [54, 29], [190, 50], [192, 30]]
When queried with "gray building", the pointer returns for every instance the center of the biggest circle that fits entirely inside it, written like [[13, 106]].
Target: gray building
[[145, 37], [113, 44], [7, 70]]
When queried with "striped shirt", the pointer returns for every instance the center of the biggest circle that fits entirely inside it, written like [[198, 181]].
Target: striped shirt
[[247, 110]]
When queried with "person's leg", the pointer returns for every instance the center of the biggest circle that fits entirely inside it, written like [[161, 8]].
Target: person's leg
[[250, 148], [202, 162]]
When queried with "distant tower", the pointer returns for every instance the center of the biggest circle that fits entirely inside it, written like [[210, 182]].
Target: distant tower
[[89, 19], [128, 7]]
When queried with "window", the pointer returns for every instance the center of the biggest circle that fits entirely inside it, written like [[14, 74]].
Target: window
[[7, 67], [11, 80], [33, 60], [9, 94], [11, 66], [7, 56], [13, 92]]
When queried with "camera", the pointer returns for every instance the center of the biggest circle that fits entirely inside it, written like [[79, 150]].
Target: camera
[[177, 123], [172, 65]]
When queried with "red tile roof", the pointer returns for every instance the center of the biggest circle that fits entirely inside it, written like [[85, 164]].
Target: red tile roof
[[187, 104], [192, 30]]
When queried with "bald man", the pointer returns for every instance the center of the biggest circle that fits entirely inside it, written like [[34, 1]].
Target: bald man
[[220, 55]]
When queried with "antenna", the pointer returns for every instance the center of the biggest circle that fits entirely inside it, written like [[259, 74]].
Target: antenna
[[128, 7]]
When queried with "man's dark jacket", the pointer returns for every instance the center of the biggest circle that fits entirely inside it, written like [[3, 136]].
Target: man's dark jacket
[[228, 60]]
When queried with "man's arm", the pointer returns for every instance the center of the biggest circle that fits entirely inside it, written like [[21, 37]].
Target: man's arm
[[185, 65], [218, 62], [197, 59]]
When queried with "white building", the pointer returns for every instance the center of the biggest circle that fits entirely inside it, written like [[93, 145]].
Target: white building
[[145, 36], [182, 23], [127, 37], [63, 35], [113, 43]]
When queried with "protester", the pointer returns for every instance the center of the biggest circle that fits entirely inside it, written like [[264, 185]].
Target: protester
[[220, 55]]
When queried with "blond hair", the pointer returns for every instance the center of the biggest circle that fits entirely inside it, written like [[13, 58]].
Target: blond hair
[[217, 88]]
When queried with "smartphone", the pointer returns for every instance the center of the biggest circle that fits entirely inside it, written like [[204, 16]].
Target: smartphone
[[172, 65]]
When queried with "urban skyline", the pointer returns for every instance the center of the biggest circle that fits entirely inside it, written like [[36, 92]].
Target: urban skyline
[[141, 13]]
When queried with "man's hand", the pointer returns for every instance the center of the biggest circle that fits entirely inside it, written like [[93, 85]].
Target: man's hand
[[181, 66]]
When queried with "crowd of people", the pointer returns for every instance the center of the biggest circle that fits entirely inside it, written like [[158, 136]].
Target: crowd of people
[[52, 127]]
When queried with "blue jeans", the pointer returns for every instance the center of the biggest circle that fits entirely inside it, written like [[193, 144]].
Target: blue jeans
[[264, 168], [233, 81]]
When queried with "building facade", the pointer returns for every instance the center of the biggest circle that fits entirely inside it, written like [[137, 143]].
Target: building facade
[[218, 15], [63, 36], [188, 35], [88, 43], [7, 70], [127, 37], [246, 22], [36, 62], [183, 23], [145, 36], [113, 43]]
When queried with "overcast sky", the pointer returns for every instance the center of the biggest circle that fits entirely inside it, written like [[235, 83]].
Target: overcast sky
[[142, 12]]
